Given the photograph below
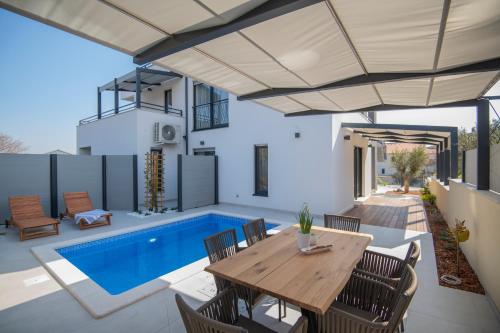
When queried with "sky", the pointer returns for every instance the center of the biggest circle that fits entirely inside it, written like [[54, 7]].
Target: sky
[[49, 80]]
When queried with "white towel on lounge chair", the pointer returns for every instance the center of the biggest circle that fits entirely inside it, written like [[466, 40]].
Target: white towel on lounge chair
[[90, 216]]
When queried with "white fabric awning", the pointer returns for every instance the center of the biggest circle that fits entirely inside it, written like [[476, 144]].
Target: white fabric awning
[[298, 56]]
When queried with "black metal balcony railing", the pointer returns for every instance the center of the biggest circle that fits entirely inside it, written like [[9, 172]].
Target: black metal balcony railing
[[211, 115], [129, 107]]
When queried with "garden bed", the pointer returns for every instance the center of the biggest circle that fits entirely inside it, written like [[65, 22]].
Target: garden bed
[[446, 256]]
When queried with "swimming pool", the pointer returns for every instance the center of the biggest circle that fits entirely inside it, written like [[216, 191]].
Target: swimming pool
[[122, 262]]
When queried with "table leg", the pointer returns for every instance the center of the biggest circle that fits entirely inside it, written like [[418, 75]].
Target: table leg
[[312, 325]]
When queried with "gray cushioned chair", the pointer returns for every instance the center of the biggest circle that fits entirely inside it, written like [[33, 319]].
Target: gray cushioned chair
[[221, 315], [369, 306]]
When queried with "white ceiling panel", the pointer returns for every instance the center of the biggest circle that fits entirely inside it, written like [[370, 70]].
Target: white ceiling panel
[[282, 104], [200, 67], [392, 35], [316, 101], [93, 20], [449, 89], [309, 43], [171, 16], [472, 32], [408, 92], [354, 97], [241, 54]]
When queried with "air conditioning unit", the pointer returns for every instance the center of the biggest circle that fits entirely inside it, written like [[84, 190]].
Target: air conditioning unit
[[166, 133]]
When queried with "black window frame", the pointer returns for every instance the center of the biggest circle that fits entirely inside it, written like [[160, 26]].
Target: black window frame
[[257, 191], [166, 94], [211, 104]]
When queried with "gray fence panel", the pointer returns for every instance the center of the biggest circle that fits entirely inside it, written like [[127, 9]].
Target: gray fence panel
[[471, 166], [79, 173], [120, 186], [24, 174], [198, 181]]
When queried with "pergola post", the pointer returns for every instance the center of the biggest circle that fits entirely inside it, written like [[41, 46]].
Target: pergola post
[[137, 88], [454, 153], [483, 145], [464, 155], [441, 162], [438, 162], [116, 96], [99, 107], [447, 167]]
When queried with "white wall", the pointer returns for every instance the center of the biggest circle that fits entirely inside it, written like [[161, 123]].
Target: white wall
[[480, 210], [316, 168]]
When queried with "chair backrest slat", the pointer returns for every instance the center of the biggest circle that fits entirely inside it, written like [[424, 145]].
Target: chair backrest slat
[[340, 222], [255, 231], [219, 246], [25, 207], [77, 202]]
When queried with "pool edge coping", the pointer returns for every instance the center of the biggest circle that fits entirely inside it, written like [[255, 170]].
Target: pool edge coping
[[97, 301]]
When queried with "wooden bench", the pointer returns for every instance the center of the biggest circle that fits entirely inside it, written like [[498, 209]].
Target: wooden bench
[[27, 215], [79, 202]]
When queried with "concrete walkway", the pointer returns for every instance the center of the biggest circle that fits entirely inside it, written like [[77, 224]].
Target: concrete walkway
[[32, 301]]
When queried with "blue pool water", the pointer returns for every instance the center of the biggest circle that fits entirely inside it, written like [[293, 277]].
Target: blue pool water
[[122, 262]]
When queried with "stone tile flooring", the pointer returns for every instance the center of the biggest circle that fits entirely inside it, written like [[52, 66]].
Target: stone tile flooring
[[32, 301]]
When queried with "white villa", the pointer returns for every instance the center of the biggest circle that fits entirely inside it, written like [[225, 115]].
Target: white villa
[[315, 152]]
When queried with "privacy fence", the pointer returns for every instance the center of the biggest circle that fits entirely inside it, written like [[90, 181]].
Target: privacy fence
[[197, 181], [110, 180], [469, 167]]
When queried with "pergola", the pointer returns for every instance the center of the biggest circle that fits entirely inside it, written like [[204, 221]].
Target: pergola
[[307, 57], [135, 81], [445, 140]]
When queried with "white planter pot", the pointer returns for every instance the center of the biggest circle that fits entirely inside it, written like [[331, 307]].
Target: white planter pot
[[303, 240]]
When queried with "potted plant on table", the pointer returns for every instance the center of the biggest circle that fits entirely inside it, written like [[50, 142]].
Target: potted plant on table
[[305, 221]]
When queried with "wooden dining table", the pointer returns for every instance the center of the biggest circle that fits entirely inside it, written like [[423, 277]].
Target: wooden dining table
[[275, 266]]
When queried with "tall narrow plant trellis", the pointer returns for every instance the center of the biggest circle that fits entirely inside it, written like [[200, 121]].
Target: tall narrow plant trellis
[[154, 198]]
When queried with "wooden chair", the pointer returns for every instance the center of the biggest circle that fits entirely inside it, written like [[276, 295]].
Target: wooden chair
[[220, 246], [221, 315], [387, 266], [27, 215], [79, 202], [255, 231], [340, 222], [369, 306]]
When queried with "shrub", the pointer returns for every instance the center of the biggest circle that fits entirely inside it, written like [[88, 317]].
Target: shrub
[[429, 198]]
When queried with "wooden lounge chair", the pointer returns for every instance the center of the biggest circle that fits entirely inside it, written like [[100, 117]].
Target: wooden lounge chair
[[27, 214], [341, 222], [79, 202], [221, 315]]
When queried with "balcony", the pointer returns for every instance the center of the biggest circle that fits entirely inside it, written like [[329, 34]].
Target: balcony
[[130, 107], [211, 115]]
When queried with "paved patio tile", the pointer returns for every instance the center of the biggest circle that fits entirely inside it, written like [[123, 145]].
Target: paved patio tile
[[32, 301]]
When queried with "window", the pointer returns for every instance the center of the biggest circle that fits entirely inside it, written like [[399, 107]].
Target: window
[[210, 107], [168, 100], [204, 151], [383, 171], [261, 180]]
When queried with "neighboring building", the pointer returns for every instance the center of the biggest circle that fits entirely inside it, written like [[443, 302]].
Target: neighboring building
[[58, 152], [385, 169], [265, 159]]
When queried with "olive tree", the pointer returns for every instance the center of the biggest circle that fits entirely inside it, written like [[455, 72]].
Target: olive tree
[[409, 164]]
